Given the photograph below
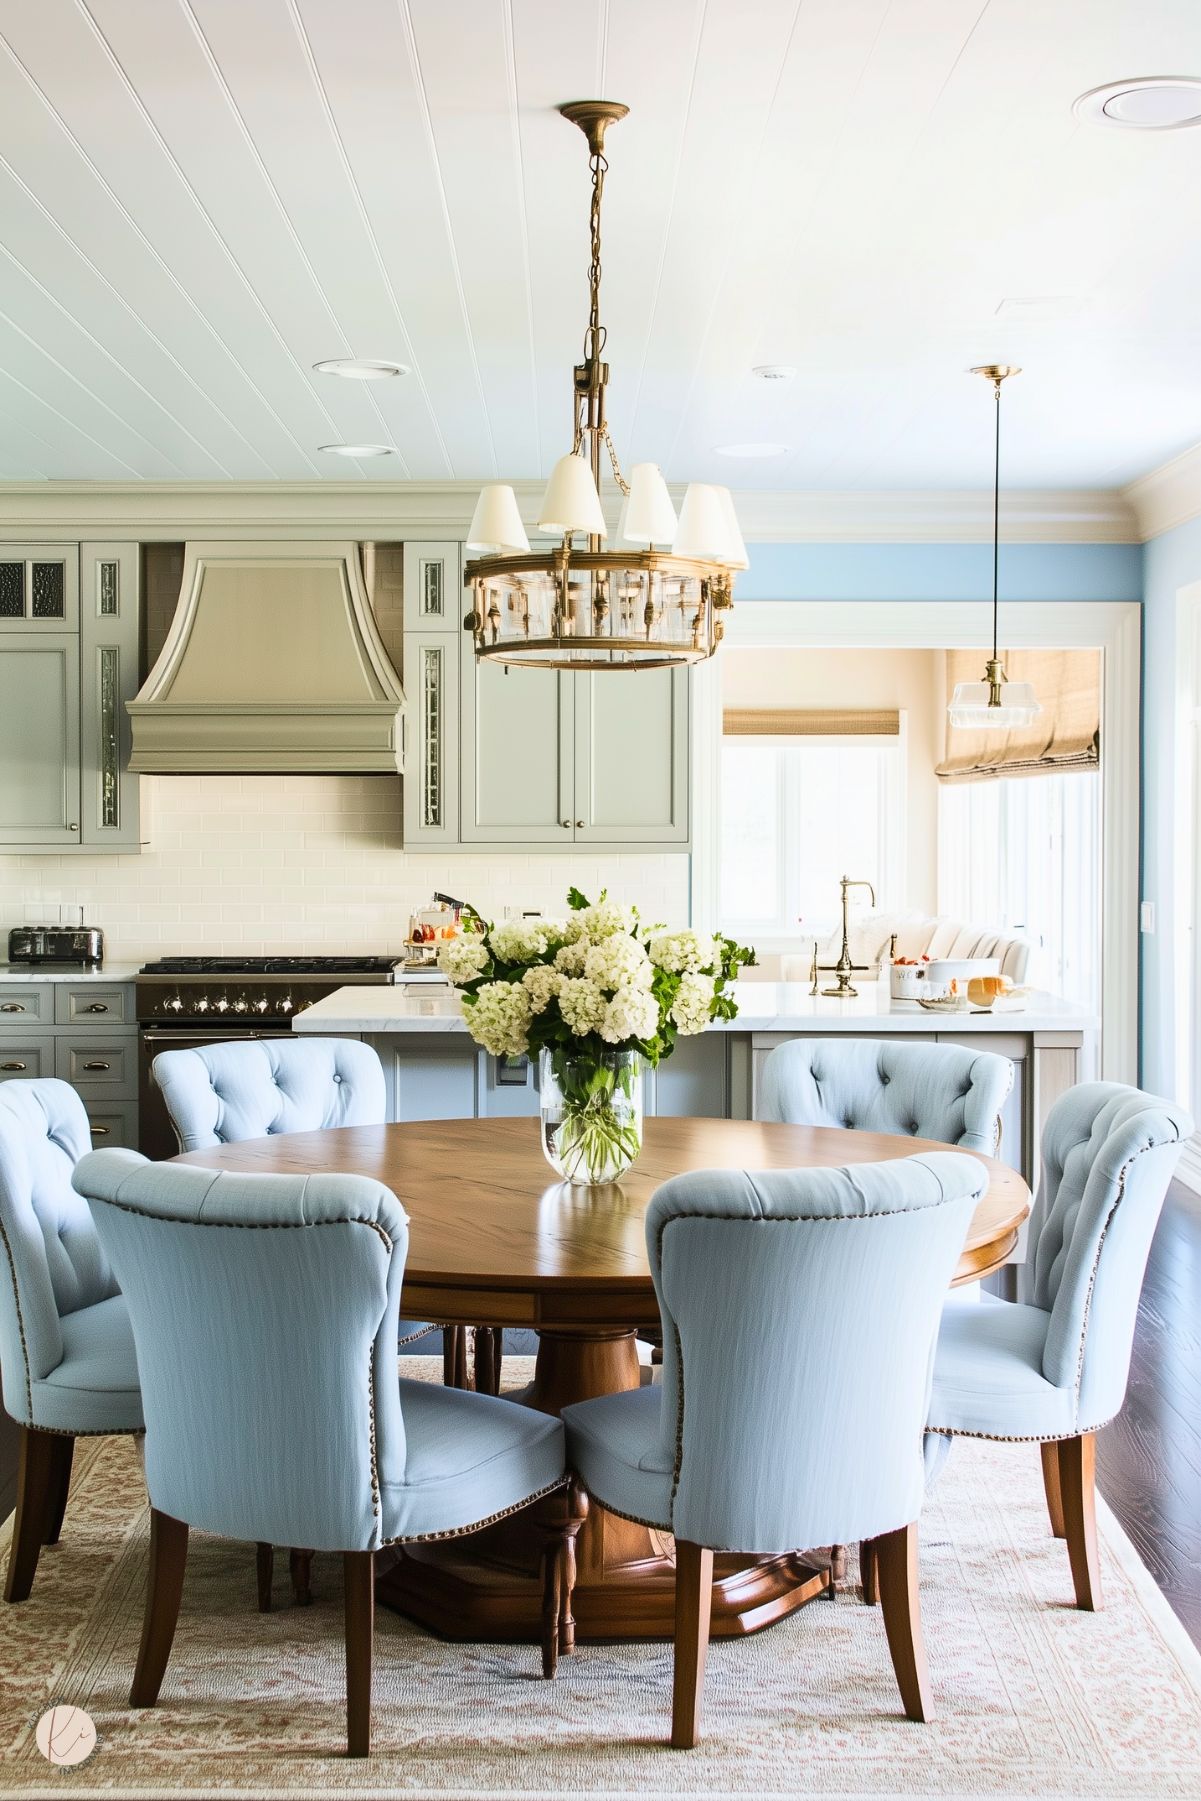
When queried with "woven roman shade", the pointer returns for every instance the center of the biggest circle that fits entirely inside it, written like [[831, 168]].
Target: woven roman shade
[[1065, 735], [809, 722]]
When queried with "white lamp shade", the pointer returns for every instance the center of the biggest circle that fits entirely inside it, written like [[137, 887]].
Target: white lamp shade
[[735, 552], [969, 706], [496, 524], [647, 515], [709, 527], [571, 502]]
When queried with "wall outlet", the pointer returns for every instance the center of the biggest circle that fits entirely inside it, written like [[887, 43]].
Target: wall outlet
[[1146, 917]]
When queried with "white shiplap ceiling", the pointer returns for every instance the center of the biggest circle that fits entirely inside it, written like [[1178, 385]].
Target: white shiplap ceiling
[[201, 198]]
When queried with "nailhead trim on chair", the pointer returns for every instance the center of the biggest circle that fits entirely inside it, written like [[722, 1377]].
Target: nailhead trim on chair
[[1039, 1438], [12, 1267], [429, 1538]]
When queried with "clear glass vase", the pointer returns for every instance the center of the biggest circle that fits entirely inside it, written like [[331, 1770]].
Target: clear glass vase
[[591, 1113]]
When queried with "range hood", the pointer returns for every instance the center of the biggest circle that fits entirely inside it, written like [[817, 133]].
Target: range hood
[[273, 663]]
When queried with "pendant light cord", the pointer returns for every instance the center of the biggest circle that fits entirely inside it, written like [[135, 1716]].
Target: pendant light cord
[[996, 515]]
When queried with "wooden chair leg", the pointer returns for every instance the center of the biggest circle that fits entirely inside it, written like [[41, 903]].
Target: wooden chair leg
[[454, 1357], [264, 1564], [168, 1557], [694, 1600], [1050, 1456], [560, 1516], [360, 1626], [896, 1562], [489, 1348], [869, 1572], [62, 1488], [577, 1505], [300, 1568], [1077, 1489], [552, 1589], [41, 1487]]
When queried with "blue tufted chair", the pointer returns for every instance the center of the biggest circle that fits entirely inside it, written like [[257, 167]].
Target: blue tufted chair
[[741, 1450], [66, 1349], [1051, 1367], [877, 1085], [264, 1310]]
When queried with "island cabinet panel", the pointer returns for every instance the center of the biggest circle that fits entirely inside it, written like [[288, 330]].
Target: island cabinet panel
[[428, 1076]]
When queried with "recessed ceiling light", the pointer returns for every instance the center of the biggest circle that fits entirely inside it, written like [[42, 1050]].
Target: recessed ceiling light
[[357, 450], [1144, 103], [774, 371], [360, 368], [752, 450]]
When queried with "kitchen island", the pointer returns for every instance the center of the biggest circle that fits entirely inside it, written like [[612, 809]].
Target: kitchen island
[[434, 1070]]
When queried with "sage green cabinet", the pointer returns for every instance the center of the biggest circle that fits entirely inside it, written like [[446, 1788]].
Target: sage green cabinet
[[68, 663], [540, 759]]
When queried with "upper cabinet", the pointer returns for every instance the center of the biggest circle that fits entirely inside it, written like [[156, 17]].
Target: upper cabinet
[[68, 663], [544, 759]]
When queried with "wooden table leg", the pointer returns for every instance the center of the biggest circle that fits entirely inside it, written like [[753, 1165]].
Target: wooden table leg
[[488, 1587]]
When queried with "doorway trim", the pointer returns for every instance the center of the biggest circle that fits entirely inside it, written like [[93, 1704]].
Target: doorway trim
[[1113, 627]]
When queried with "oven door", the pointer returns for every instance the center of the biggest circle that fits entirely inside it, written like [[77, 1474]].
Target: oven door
[[156, 1134]]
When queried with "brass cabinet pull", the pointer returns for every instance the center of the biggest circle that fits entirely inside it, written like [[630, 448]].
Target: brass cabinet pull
[[97, 1065], [579, 822], [96, 1007], [13, 1007], [14, 1066], [566, 824], [101, 1131]]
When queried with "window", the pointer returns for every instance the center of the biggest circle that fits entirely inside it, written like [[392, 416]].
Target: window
[[1023, 855], [798, 813]]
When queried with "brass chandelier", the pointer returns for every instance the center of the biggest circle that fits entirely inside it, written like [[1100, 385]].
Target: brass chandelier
[[659, 602]]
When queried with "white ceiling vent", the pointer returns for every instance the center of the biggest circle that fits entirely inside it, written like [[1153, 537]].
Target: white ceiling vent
[[273, 664]]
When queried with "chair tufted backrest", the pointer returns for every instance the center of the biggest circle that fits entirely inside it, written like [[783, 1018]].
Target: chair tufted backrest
[[51, 1262], [264, 1313], [251, 1089], [1109, 1153], [877, 1085], [800, 1310]]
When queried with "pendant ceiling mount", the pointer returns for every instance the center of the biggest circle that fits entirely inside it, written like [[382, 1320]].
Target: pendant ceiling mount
[[995, 704], [658, 603]]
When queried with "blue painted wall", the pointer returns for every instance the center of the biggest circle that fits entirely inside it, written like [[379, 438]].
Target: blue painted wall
[[941, 572], [1171, 562]]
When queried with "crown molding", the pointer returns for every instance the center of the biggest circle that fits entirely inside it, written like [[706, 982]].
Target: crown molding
[[392, 510], [1167, 496]]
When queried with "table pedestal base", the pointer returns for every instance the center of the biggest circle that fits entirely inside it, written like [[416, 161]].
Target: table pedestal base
[[487, 1587]]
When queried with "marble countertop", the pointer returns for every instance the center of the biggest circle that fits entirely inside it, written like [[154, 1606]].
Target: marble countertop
[[763, 1007], [38, 972]]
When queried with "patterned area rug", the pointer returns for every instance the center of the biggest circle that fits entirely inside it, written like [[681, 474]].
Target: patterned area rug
[[1033, 1698]]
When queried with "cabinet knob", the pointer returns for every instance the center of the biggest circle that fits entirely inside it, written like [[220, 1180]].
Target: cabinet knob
[[579, 822], [16, 1068], [72, 828], [20, 1007], [95, 1064], [96, 1007], [566, 824]]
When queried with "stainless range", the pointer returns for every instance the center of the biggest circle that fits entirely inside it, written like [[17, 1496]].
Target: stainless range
[[183, 1002]]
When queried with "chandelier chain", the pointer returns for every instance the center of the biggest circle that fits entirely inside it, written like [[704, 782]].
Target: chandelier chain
[[594, 337]]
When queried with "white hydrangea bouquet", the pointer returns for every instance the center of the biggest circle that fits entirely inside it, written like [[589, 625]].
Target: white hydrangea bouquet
[[595, 994]]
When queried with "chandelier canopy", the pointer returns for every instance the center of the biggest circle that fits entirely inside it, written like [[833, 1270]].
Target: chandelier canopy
[[658, 597], [996, 703]]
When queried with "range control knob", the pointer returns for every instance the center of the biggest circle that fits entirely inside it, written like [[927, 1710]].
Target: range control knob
[[201, 1004], [173, 1004], [284, 1004], [261, 1005], [221, 1004], [241, 1005]]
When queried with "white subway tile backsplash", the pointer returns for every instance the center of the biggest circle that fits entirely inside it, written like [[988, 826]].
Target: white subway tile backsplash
[[262, 864]]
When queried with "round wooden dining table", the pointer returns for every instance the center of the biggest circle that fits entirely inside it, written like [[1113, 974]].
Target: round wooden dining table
[[496, 1240]]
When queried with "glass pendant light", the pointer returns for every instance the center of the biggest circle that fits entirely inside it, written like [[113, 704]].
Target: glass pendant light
[[994, 704]]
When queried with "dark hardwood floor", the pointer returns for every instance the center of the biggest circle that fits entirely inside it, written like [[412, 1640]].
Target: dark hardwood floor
[[1149, 1459]]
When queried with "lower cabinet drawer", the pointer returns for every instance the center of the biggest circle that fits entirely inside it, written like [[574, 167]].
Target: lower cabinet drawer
[[98, 1064], [25, 1007], [114, 1125], [25, 1055]]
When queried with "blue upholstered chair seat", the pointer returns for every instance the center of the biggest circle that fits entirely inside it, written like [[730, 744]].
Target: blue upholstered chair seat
[[95, 1387], [988, 1374], [460, 1443], [618, 1452]]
